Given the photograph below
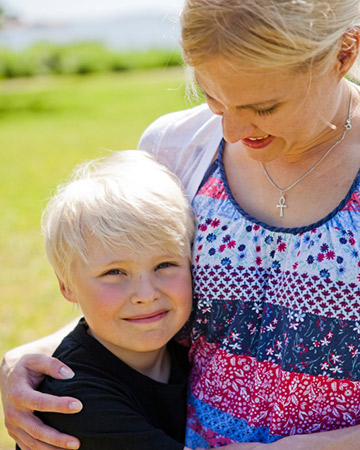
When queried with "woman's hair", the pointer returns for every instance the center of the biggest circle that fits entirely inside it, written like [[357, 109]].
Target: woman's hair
[[127, 199], [267, 33]]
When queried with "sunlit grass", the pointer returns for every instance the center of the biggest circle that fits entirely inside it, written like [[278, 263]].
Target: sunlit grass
[[46, 127]]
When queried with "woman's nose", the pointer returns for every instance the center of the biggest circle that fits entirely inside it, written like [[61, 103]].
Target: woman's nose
[[236, 126]]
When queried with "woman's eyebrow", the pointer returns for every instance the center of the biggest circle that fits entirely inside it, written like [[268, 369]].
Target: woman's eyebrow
[[267, 103]]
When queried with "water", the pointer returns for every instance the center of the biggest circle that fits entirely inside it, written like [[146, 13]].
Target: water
[[126, 32]]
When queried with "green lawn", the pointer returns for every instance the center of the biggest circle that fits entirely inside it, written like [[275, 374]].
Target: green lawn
[[47, 125]]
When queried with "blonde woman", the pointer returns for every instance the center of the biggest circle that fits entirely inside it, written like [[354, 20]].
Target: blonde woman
[[271, 164]]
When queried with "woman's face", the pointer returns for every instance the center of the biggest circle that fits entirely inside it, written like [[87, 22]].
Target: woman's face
[[273, 113]]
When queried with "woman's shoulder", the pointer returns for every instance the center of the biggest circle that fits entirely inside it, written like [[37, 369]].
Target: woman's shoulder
[[178, 129], [174, 121], [186, 142]]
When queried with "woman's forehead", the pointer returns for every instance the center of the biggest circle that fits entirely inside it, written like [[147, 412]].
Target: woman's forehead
[[223, 81]]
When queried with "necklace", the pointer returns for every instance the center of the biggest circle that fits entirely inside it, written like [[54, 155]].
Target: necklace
[[282, 204]]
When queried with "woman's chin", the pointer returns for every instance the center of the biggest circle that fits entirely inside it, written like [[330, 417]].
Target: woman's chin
[[265, 154]]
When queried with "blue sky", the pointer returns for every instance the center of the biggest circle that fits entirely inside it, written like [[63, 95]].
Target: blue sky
[[38, 10]]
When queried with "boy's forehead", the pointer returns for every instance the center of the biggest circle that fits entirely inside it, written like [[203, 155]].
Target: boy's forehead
[[101, 249], [102, 252]]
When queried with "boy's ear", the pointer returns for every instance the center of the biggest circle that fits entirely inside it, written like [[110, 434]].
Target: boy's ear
[[66, 291], [348, 52]]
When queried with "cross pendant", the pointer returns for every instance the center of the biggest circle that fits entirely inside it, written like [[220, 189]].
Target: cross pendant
[[281, 204]]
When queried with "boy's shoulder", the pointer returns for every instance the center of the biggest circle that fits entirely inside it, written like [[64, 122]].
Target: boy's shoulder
[[94, 366], [121, 407]]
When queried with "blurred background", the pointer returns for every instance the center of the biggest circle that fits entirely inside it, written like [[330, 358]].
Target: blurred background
[[129, 25], [76, 78]]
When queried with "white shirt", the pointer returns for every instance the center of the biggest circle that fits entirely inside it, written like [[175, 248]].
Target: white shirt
[[186, 142]]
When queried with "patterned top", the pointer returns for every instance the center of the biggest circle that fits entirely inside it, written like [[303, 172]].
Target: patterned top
[[276, 327]]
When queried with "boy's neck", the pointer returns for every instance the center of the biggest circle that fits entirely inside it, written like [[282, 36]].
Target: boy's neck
[[154, 364]]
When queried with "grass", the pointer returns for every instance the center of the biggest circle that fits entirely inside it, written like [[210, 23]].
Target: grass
[[47, 125]]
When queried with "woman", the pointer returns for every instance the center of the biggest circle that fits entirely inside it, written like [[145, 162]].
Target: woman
[[272, 165]]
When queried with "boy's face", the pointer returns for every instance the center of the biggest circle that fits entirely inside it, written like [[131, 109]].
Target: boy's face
[[133, 302]]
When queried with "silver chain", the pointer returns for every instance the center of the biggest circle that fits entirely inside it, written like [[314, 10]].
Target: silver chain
[[347, 127]]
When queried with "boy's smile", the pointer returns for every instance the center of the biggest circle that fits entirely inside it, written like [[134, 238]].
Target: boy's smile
[[134, 302], [148, 318]]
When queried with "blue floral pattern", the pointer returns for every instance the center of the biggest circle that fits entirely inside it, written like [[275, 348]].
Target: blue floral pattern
[[276, 327]]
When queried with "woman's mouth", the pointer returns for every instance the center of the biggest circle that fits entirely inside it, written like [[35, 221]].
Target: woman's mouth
[[259, 138], [258, 142]]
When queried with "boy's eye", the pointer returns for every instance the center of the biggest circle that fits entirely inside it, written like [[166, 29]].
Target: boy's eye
[[114, 272], [164, 265]]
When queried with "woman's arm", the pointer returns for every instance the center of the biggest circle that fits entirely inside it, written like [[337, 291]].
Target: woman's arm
[[21, 372], [343, 439]]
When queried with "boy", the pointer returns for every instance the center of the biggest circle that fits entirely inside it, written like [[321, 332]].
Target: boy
[[118, 236]]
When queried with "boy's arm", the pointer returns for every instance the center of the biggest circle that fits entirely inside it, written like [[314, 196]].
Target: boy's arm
[[21, 372]]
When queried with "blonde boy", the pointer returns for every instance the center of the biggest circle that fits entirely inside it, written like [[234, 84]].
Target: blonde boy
[[118, 236]]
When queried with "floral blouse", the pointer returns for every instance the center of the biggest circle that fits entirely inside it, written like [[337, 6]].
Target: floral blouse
[[276, 327]]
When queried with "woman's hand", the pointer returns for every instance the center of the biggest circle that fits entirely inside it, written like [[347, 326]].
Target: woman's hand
[[19, 378], [343, 439]]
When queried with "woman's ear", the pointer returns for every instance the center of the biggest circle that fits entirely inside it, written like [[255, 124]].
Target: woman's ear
[[348, 52], [66, 291]]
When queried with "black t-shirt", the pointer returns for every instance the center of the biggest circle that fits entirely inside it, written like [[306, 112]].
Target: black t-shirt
[[122, 409]]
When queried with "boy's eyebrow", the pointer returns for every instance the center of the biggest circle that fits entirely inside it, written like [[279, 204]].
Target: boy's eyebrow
[[250, 105], [115, 261], [125, 261]]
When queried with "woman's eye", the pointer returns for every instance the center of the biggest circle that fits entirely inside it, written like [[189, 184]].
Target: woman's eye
[[265, 112]]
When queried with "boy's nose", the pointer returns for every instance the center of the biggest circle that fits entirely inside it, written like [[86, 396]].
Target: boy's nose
[[144, 290]]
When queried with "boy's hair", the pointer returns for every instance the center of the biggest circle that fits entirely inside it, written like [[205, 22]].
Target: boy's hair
[[127, 199]]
